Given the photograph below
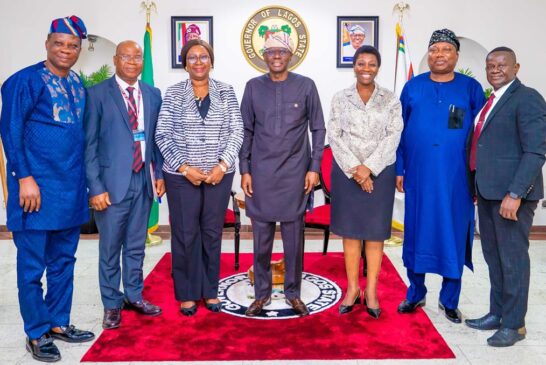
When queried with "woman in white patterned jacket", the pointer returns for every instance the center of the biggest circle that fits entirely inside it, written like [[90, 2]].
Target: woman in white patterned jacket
[[364, 132], [199, 133]]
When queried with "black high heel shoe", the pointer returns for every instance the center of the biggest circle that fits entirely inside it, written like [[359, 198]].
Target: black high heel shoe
[[343, 309], [188, 312], [213, 307], [373, 312]]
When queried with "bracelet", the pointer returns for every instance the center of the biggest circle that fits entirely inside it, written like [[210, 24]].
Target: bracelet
[[185, 172]]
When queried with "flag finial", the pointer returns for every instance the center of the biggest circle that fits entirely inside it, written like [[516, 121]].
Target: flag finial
[[148, 6], [401, 8]]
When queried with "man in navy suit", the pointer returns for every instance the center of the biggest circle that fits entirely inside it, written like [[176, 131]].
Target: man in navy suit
[[123, 166], [506, 154]]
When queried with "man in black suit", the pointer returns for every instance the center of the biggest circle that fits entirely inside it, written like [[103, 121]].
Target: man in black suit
[[507, 153]]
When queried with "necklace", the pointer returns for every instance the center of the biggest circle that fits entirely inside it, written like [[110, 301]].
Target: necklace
[[199, 100], [200, 92]]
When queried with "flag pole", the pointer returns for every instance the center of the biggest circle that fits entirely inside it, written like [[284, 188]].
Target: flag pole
[[147, 76], [401, 8], [3, 175]]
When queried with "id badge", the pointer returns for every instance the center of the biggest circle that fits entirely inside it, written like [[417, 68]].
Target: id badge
[[138, 135]]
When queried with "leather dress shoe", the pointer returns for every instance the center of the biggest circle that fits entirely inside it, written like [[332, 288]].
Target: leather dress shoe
[[72, 334], [143, 307], [111, 319], [298, 306], [256, 307], [506, 337], [454, 315], [485, 323], [44, 349], [188, 312], [213, 307], [409, 307], [343, 309]]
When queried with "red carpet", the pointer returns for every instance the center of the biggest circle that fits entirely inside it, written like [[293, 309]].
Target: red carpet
[[219, 336]]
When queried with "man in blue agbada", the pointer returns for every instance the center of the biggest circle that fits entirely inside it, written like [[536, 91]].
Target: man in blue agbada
[[438, 108], [42, 131]]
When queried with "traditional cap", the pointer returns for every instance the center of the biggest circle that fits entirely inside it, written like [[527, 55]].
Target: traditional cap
[[444, 35], [70, 25], [279, 40], [192, 29], [356, 29]]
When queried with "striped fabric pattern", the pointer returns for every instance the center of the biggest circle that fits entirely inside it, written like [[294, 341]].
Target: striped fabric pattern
[[133, 121], [184, 137]]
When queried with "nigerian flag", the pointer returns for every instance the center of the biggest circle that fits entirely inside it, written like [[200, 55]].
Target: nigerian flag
[[148, 77]]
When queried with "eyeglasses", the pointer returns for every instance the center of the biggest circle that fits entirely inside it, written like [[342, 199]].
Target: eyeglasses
[[273, 52], [500, 68], [193, 59], [127, 58], [443, 50]]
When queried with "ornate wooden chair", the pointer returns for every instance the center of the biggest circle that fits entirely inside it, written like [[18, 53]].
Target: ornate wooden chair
[[320, 217], [233, 219]]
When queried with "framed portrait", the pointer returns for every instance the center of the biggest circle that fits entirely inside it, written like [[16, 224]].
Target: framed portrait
[[186, 28], [353, 32]]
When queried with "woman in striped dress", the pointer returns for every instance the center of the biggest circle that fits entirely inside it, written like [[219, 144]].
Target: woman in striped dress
[[199, 133]]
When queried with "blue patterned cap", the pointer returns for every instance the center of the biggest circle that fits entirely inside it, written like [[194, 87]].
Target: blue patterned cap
[[70, 25]]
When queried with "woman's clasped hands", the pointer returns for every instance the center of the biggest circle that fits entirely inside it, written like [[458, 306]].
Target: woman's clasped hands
[[363, 177]]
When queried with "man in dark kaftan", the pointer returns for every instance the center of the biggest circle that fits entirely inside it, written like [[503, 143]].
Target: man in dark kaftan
[[278, 166]]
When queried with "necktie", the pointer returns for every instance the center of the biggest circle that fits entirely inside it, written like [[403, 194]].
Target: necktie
[[478, 131], [133, 121]]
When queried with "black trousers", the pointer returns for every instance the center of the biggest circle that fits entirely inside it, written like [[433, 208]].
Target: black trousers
[[264, 234], [197, 219], [505, 245]]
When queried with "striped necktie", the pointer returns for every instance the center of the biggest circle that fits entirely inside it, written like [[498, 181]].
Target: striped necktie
[[133, 121]]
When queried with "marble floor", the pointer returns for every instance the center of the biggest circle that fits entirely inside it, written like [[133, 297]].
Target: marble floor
[[468, 345]]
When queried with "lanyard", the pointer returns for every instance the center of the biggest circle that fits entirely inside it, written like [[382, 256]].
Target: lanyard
[[129, 103]]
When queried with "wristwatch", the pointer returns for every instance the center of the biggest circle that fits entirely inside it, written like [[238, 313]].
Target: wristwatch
[[513, 195], [222, 167], [185, 172]]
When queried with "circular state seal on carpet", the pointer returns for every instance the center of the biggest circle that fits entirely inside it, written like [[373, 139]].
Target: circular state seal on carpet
[[237, 293]]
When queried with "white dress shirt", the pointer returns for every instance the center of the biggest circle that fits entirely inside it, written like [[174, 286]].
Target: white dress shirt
[[498, 94]]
